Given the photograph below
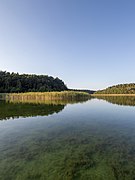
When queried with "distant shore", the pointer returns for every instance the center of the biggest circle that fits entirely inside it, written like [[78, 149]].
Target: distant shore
[[112, 94]]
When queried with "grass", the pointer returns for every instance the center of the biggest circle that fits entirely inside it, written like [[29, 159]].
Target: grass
[[44, 96]]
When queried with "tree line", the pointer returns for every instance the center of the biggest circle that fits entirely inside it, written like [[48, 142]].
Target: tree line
[[83, 90], [15, 82], [119, 89]]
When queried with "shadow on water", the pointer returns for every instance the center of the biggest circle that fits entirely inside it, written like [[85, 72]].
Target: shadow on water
[[119, 100], [16, 109]]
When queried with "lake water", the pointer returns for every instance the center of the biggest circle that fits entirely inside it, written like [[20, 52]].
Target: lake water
[[91, 140]]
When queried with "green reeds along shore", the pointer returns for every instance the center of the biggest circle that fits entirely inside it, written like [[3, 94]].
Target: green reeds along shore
[[46, 96]]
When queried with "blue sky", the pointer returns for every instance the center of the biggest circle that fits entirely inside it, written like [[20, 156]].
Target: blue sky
[[87, 43]]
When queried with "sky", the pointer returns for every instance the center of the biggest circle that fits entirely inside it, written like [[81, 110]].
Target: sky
[[89, 44]]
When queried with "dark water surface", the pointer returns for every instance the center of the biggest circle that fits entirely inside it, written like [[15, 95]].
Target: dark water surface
[[93, 140]]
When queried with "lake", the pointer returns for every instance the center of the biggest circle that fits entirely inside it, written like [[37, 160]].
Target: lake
[[90, 140]]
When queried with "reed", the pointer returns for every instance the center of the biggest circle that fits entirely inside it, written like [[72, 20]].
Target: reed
[[45, 96]]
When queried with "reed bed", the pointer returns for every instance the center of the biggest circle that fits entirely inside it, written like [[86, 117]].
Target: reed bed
[[49, 102], [46, 96]]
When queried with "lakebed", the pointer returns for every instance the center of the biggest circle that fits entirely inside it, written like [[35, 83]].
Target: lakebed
[[93, 139]]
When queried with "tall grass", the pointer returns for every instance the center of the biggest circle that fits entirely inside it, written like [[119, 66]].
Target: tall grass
[[46, 96]]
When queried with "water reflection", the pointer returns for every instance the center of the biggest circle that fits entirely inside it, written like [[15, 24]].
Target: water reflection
[[90, 140], [119, 100], [16, 109]]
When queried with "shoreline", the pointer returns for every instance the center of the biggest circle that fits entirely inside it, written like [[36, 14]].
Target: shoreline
[[112, 94], [43, 96]]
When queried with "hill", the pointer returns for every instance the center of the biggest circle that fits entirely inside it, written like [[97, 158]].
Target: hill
[[14, 82], [118, 89]]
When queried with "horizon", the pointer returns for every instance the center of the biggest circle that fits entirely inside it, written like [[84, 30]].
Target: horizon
[[87, 44]]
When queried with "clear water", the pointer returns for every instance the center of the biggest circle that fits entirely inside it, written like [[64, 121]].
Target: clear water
[[93, 140]]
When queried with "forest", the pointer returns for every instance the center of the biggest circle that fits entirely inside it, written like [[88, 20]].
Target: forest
[[14, 82], [118, 89], [20, 83]]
